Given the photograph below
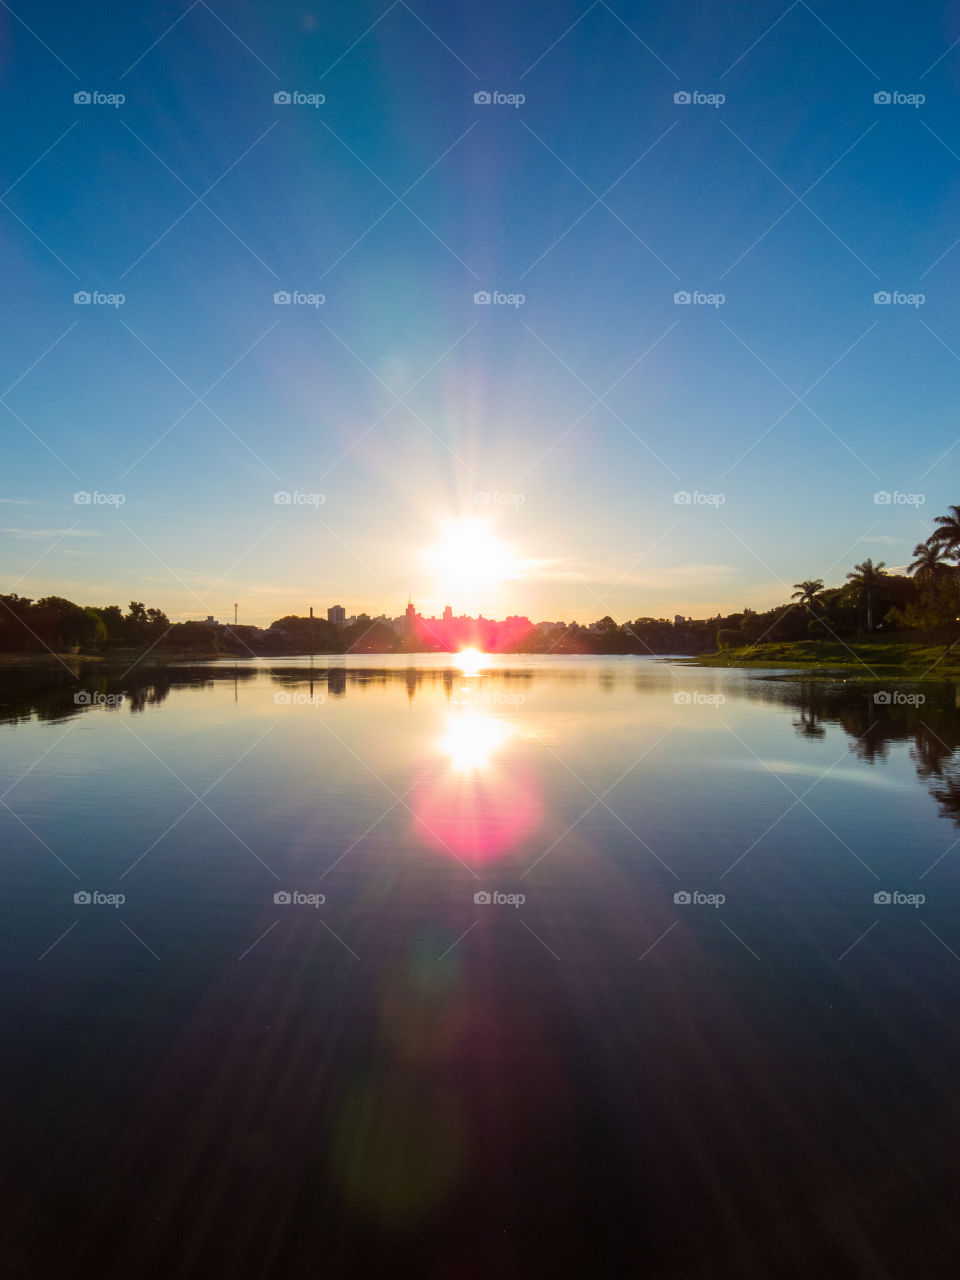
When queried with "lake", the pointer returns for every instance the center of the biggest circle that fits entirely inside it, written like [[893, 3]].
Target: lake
[[523, 966]]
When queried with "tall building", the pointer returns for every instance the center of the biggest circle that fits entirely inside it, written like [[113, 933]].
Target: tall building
[[337, 615]]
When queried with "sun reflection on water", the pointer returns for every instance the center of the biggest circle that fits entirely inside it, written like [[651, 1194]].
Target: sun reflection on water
[[471, 739]]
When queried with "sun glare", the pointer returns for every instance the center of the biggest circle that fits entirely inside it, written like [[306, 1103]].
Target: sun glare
[[471, 661], [470, 559]]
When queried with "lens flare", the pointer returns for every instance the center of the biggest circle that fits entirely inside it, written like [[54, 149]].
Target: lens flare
[[479, 808]]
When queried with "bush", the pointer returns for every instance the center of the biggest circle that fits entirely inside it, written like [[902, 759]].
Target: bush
[[727, 639]]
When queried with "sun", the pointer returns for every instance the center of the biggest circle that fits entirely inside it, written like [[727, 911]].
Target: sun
[[470, 662], [470, 558]]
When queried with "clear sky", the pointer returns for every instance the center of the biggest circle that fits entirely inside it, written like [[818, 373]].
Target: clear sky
[[565, 424]]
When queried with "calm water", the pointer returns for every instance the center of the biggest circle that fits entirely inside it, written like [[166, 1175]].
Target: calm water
[[583, 1076]]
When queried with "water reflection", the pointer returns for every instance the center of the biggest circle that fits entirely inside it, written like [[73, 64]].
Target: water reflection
[[481, 803], [471, 739], [407, 1060]]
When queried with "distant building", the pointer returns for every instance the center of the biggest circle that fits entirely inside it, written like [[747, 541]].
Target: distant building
[[678, 620], [337, 615], [546, 627], [210, 621]]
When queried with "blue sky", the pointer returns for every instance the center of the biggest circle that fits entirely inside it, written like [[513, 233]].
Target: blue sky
[[581, 412]]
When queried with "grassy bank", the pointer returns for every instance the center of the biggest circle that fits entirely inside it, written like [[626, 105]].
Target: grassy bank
[[867, 657], [111, 658]]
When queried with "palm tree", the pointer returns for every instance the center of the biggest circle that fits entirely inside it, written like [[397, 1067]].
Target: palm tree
[[807, 591], [929, 561], [947, 537], [948, 534], [864, 582]]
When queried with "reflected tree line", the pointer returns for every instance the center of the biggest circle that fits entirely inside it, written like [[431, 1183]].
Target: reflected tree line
[[56, 693], [873, 718]]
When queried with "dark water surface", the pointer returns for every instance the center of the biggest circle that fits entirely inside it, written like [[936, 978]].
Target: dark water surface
[[596, 1080]]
